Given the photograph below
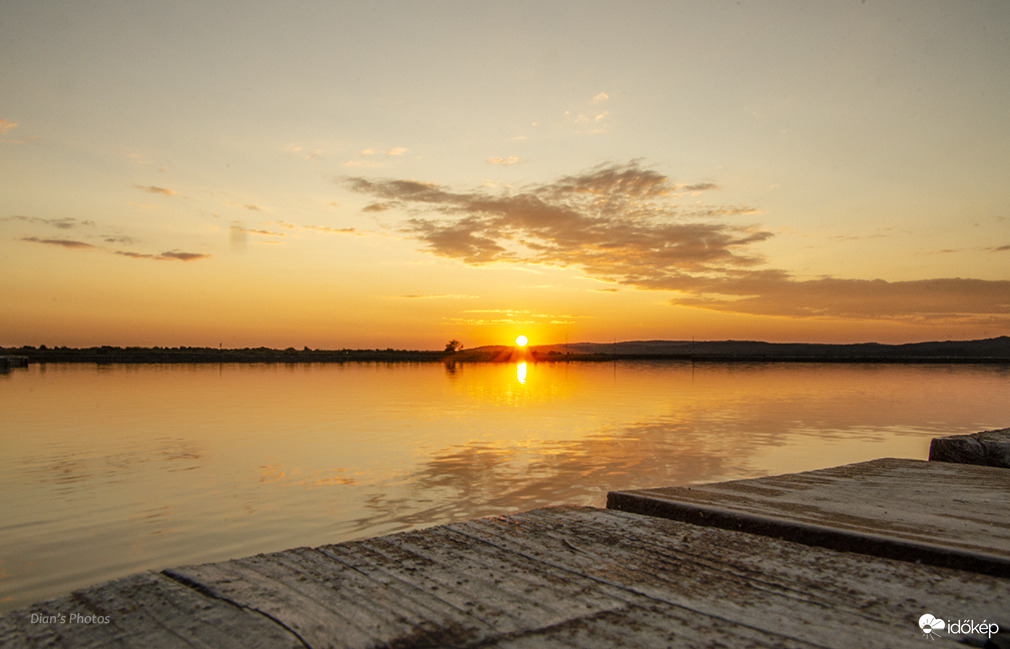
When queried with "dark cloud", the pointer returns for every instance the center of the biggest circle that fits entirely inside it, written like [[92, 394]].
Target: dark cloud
[[622, 223], [66, 243], [775, 293], [180, 256], [183, 256]]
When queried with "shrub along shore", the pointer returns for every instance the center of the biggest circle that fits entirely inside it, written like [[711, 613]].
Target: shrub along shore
[[992, 350]]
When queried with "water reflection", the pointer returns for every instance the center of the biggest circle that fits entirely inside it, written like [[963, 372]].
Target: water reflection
[[102, 469]]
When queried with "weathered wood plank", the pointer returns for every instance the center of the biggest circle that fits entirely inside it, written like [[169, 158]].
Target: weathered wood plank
[[555, 577], [143, 610], [771, 586], [945, 514], [987, 448]]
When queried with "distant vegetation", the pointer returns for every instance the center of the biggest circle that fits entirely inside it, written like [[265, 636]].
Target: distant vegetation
[[108, 354], [992, 350]]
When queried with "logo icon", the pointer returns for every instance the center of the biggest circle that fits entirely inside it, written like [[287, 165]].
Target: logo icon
[[930, 625]]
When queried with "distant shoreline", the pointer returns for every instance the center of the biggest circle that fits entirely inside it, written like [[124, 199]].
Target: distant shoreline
[[988, 351]]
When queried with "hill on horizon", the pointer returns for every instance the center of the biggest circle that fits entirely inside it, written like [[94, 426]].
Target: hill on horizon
[[998, 347]]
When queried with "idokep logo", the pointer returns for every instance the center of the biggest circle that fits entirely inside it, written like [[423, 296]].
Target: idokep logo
[[930, 626]]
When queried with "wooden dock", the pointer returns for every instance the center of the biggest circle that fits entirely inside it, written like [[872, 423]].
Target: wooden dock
[[930, 512], [586, 577]]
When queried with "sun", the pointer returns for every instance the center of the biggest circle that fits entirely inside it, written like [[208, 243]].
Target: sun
[[521, 340]]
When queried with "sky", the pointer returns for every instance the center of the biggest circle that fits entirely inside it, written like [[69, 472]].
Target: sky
[[395, 174]]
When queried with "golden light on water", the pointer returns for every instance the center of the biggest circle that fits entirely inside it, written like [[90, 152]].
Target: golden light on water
[[521, 371], [521, 340]]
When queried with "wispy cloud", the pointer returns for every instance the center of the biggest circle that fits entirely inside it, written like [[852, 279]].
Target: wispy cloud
[[183, 256], [393, 152], [246, 206], [439, 296], [310, 153], [173, 255], [7, 125], [154, 189], [65, 223], [623, 224], [325, 228], [65, 243], [480, 317], [510, 160], [600, 97], [776, 293], [74, 244], [120, 239], [591, 123]]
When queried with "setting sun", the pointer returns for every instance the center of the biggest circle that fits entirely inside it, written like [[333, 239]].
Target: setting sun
[[521, 340]]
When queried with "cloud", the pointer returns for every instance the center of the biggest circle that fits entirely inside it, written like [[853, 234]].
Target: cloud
[[511, 160], [324, 228], [153, 189], [697, 187], [774, 293], [66, 243], [601, 97], [390, 153], [587, 123], [441, 296], [613, 221], [65, 223], [173, 255], [183, 256], [479, 317], [7, 125], [119, 239], [82, 245], [309, 154], [623, 224], [247, 206]]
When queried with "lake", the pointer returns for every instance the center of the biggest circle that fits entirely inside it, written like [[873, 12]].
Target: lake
[[107, 470]]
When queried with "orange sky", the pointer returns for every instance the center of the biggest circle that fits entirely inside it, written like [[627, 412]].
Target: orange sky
[[346, 175]]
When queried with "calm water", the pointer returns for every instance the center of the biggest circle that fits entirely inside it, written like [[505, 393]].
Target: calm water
[[109, 470]]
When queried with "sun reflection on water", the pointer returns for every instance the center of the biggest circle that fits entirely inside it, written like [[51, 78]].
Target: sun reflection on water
[[521, 372]]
